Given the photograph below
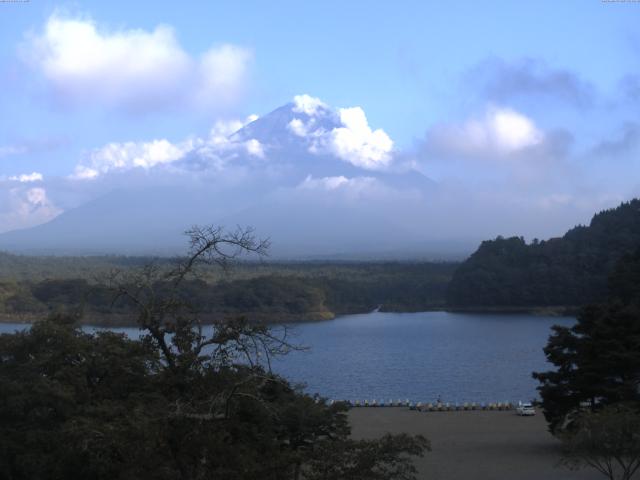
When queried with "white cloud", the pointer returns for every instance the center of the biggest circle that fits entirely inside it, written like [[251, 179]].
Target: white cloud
[[246, 171], [502, 131], [37, 196], [132, 68], [297, 127], [221, 74], [128, 155], [223, 129], [27, 177], [307, 104], [344, 132], [23, 208], [216, 150], [512, 131], [353, 185], [255, 148], [357, 143], [326, 183]]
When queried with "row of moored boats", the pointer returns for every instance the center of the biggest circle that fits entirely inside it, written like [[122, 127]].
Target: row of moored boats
[[432, 407]]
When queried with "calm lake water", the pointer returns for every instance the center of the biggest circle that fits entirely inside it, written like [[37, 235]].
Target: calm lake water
[[417, 356]]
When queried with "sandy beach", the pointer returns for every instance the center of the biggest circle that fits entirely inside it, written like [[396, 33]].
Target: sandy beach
[[484, 445]]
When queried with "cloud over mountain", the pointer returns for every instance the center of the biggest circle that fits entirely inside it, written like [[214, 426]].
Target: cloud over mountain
[[239, 166], [304, 129], [23, 205], [308, 200], [317, 180]]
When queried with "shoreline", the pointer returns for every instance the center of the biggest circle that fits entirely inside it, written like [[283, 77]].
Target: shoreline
[[546, 310], [119, 320]]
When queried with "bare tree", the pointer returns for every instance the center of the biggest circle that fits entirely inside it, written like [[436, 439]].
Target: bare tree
[[174, 327]]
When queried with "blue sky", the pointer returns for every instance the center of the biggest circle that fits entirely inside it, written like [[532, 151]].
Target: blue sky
[[401, 61], [417, 68]]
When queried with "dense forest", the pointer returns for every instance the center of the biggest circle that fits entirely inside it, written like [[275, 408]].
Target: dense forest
[[569, 271], [505, 273], [32, 286]]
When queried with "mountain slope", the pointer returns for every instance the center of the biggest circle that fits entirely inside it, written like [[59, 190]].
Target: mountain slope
[[570, 271], [149, 220], [281, 174]]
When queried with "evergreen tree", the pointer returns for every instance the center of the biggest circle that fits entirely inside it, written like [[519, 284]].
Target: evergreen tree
[[598, 359]]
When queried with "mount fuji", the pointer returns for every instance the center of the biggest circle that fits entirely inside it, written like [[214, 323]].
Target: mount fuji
[[317, 180]]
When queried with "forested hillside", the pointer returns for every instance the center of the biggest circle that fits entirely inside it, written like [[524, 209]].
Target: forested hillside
[[31, 287], [503, 273], [568, 271]]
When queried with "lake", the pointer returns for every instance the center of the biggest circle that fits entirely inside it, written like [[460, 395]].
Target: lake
[[417, 356]]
